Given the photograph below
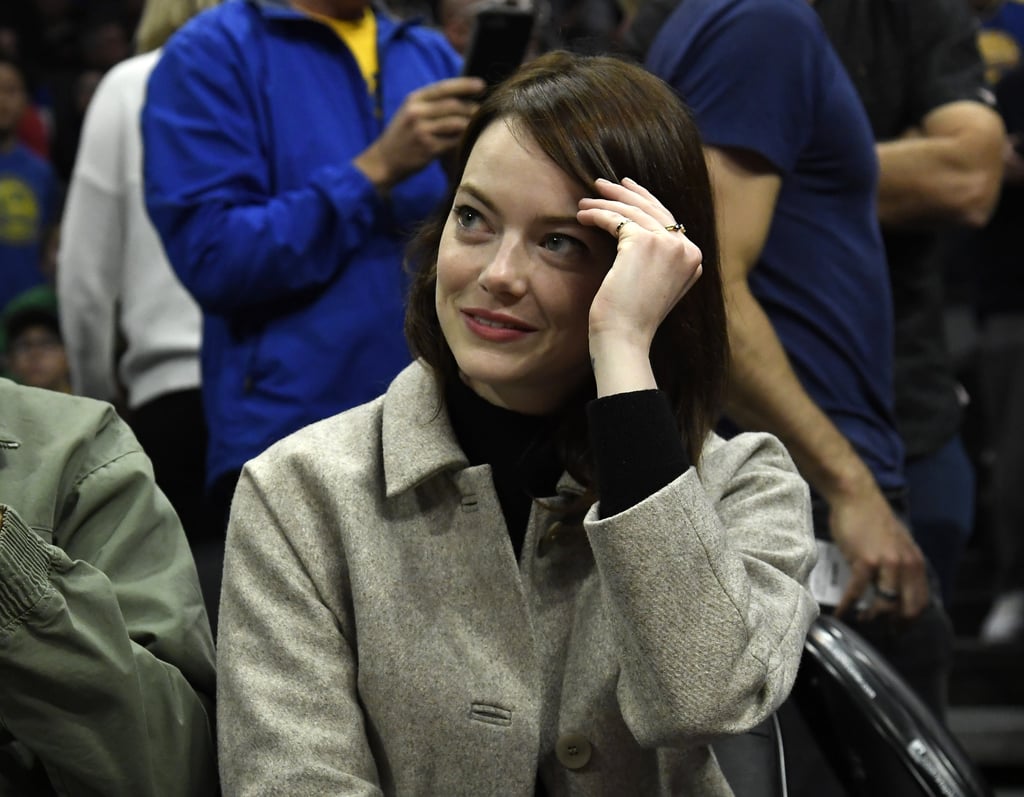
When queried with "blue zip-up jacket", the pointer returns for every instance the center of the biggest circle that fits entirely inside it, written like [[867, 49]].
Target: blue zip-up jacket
[[253, 117]]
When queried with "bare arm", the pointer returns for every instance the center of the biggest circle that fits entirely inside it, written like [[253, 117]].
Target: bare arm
[[765, 394], [948, 171]]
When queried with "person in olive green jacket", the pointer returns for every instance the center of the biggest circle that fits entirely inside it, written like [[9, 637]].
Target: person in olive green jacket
[[106, 656]]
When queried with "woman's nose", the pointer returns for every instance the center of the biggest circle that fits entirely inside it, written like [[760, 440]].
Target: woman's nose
[[505, 273]]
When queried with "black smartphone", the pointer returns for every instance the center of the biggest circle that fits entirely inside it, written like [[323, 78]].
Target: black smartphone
[[498, 45]]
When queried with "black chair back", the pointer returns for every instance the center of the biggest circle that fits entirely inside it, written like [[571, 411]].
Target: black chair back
[[876, 734], [754, 762]]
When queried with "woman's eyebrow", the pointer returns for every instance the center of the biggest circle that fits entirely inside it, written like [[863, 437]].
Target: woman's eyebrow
[[481, 197], [477, 194]]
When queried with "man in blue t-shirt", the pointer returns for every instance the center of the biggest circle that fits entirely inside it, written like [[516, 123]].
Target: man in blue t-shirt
[[810, 312], [28, 193]]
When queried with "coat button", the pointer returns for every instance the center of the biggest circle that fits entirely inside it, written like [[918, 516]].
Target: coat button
[[573, 750]]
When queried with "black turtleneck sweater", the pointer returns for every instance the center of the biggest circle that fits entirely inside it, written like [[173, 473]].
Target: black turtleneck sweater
[[636, 445]]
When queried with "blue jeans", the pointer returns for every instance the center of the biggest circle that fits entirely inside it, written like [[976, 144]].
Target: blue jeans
[[941, 509]]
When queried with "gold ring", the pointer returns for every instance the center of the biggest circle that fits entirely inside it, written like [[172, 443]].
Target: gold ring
[[620, 225], [677, 227]]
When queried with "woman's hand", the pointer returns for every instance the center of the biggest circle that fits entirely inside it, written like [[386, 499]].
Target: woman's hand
[[654, 266]]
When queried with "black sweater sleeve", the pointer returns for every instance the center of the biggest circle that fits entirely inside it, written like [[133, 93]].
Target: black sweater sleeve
[[637, 447]]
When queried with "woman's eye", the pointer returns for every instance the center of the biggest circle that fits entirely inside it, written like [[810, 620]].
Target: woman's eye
[[563, 244], [466, 216]]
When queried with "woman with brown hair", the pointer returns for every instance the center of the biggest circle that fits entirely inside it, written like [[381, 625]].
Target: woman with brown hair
[[529, 567]]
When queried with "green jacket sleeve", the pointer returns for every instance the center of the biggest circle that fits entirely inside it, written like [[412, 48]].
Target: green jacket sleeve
[[106, 657]]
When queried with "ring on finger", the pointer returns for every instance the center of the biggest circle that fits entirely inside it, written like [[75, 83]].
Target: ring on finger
[[620, 225], [677, 227], [889, 595]]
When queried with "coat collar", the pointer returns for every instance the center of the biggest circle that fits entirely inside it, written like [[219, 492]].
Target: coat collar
[[277, 9], [282, 9], [416, 437]]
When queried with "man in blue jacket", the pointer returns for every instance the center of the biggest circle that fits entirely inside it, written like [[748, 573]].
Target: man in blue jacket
[[289, 150]]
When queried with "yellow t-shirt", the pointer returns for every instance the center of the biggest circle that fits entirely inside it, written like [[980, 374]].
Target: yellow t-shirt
[[360, 36]]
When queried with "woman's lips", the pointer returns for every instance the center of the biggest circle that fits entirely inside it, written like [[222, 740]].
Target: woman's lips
[[495, 327]]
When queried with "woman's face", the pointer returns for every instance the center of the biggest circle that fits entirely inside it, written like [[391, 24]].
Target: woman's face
[[516, 274]]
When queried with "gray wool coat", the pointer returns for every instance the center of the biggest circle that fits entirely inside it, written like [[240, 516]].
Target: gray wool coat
[[378, 636]]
